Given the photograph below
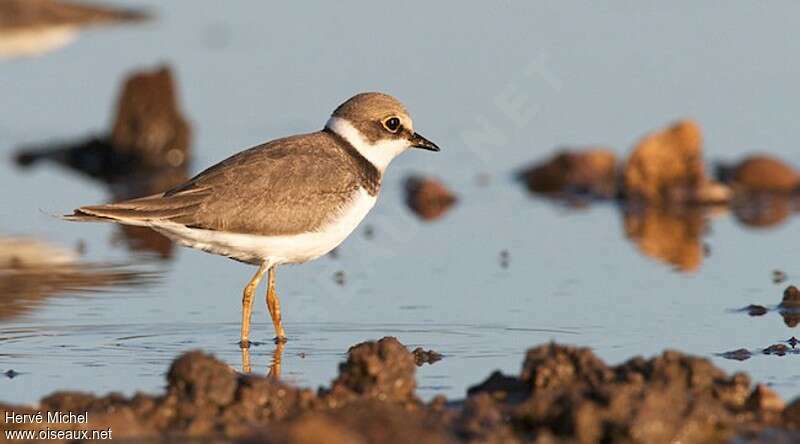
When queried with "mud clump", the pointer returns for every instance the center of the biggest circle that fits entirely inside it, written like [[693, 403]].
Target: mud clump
[[776, 349], [591, 171], [791, 297], [149, 135], [422, 356], [562, 394], [667, 167], [428, 198], [149, 125], [740, 354], [761, 173], [570, 395], [756, 310], [383, 370]]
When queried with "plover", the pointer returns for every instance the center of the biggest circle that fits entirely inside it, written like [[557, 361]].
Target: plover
[[286, 201]]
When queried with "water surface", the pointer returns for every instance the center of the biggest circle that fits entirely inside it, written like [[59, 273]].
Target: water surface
[[496, 88]]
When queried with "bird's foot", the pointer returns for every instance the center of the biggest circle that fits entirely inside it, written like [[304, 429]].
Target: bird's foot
[[244, 343]]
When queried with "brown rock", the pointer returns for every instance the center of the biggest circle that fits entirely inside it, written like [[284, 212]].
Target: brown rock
[[776, 349], [765, 173], [756, 310], [428, 198], [202, 379], [740, 354], [384, 370], [764, 399], [553, 364], [149, 123], [670, 398], [422, 356], [592, 171], [791, 297], [666, 161], [149, 137]]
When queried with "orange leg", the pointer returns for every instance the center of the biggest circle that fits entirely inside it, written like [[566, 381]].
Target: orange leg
[[274, 306], [247, 305]]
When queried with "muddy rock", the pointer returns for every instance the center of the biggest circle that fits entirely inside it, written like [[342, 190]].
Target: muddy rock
[[762, 173], [590, 171], [667, 166], [776, 349], [384, 370], [756, 310], [422, 356], [740, 354], [428, 198], [149, 123], [553, 365], [764, 399], [791, 297], [149, 135], [202, 379], [575, 397]]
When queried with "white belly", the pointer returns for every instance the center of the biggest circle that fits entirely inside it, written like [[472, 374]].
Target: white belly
[[275, 250]]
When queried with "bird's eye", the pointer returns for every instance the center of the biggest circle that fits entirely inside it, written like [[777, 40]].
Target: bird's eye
[[392, 124]]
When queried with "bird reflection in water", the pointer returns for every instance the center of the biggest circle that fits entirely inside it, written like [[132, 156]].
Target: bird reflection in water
[[274, 370]]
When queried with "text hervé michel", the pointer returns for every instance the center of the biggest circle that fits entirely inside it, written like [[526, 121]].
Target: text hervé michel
[[48, 417]]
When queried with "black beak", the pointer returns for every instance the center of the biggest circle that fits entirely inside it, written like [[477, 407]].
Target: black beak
[[417, 141]]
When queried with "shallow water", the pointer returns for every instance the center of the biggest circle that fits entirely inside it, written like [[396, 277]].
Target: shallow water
[[583, 75]]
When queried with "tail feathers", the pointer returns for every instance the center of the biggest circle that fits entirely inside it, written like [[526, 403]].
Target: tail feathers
[[142, 211]]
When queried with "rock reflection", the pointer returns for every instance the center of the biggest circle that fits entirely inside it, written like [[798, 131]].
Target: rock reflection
[[669, 234], [764, 210], [146, 152], [32, 271]]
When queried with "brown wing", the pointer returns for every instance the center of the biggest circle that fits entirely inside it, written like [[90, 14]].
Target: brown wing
[[283, 187]]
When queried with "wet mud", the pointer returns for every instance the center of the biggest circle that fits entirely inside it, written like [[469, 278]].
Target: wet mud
[[562, 394], [428, 198]]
